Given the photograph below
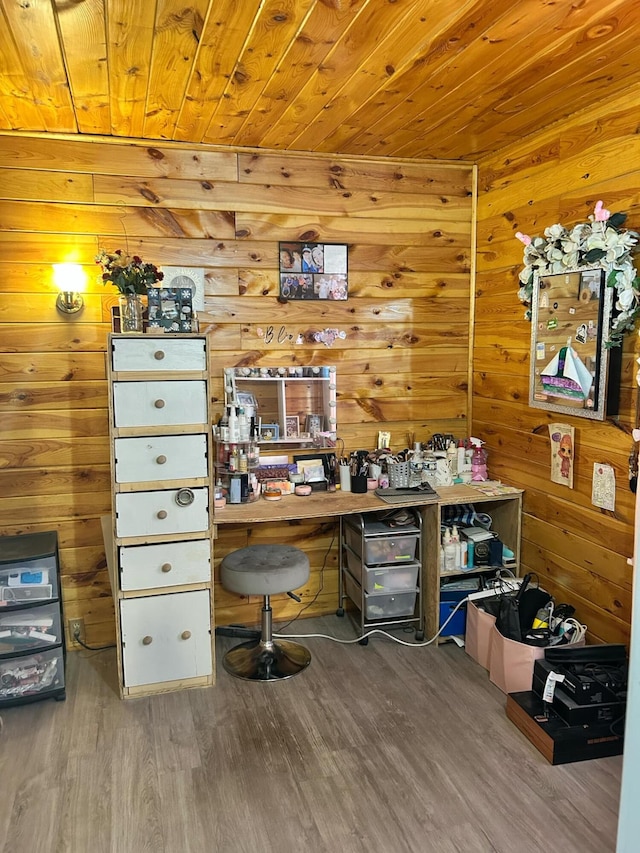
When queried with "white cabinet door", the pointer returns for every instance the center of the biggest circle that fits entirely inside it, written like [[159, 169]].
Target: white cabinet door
[[159, 403], [158, 513], [165, 564], [163, 457], [140, 355], [166, 637]]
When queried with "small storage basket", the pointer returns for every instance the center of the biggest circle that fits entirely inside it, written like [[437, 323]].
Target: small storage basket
[[402, 477]]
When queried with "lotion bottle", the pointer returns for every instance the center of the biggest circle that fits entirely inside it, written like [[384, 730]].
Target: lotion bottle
[[460, 458], [455, 538], [449, 552], [452, 458], [233, 425]]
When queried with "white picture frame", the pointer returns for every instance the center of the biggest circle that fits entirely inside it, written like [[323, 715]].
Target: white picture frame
[[192, 277]]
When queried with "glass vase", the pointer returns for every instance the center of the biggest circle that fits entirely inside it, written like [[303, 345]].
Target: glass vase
[[130, 313]]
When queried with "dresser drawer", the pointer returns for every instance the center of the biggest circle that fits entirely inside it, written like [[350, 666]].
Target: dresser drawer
[[159, 403], [166, 637], [166, 564], [140, 355], [163, 457], [158, 513]]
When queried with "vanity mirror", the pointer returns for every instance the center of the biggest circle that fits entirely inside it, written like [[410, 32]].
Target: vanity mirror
[[296, 404], [573, 371]]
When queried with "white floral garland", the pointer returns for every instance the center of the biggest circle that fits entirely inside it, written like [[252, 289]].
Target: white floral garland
[[600, 242]]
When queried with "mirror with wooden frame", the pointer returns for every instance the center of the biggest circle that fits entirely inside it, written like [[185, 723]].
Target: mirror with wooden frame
[[572, 369]]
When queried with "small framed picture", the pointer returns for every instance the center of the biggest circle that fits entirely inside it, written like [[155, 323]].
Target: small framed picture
[[269, 432], [313, 424], [171, 309], [292, 426]]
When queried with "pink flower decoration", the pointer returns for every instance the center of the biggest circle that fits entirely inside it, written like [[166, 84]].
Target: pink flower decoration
[[524, 238], [601, 214]]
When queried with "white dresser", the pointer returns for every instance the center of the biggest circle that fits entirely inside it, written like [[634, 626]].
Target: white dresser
[[158, 538]]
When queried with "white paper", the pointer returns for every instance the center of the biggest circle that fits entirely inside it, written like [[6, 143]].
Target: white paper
[[603, 486]]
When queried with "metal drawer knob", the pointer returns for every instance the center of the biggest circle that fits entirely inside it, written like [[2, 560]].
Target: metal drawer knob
[[162, 513], [161, 460], [159, 404], [146, 641], [185, 635], [158, 355], [185, 497], [166, 567]]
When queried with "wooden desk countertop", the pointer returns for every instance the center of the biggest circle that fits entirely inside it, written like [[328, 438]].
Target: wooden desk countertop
[[327, 504]]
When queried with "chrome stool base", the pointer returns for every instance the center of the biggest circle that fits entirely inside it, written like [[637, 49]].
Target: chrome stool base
[[262, 661]]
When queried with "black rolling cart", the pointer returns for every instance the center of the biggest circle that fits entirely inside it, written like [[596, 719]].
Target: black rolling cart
[[32, 645]]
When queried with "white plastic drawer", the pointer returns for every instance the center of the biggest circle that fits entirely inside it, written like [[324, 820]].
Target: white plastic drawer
[[166, 637], [391, 548], [29, 629], [166, 564], [159, 513], [159, 403], [383, 578], [391, 578], [387, 605], [139, 354], [163, 457]]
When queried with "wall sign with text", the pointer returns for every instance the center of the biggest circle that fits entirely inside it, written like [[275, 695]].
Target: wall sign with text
[[313, 270]]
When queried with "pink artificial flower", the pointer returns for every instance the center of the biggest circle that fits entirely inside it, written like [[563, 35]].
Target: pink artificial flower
[[524, 238]]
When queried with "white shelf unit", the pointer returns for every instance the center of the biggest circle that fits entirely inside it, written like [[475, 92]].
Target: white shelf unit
[[158, 539]]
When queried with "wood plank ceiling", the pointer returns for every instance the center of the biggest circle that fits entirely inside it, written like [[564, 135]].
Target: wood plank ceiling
[[405, 78]]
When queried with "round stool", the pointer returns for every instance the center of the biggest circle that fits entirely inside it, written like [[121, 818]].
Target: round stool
[[265, 570]]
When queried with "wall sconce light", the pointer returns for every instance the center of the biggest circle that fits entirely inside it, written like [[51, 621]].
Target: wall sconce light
[[70, 280]]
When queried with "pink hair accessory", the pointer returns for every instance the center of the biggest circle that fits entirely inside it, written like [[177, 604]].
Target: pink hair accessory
[[600, 213], [524, 238]]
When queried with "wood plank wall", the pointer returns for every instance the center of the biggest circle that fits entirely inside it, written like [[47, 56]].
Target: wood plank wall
[[403, 365], [579, 552]]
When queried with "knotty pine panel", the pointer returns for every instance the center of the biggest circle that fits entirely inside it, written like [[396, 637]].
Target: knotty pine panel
[[408, 232], [350, 174], [115, 221], [404, 353], [22, 454], [441, 357], [116, 157], [54, 480], [76, 424], [51, 367], [216, 195], [44, 186], [556, 175], [52, 395], [328, 312]]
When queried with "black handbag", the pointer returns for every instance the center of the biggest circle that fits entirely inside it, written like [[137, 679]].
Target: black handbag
[[517, 611]]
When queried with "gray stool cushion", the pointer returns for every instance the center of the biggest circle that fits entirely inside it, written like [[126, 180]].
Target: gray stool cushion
[[264, 569]]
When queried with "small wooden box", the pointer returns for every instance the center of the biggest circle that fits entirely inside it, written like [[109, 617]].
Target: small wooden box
[[555, 739]]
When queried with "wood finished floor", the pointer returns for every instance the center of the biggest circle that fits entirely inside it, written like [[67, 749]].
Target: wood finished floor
[[376, 749]]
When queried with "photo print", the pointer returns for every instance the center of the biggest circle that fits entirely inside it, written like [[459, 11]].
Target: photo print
[[313, 270]]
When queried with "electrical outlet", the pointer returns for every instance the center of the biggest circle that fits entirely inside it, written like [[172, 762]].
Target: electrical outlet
[[76, 630]]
